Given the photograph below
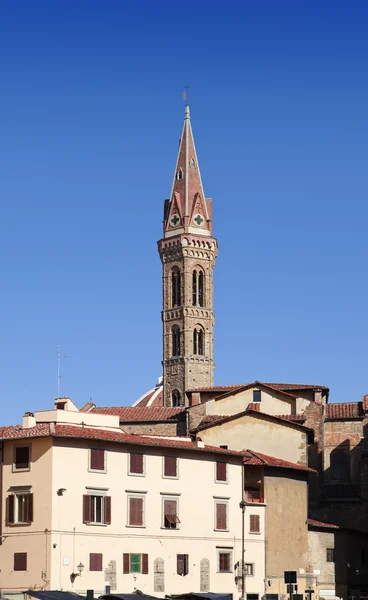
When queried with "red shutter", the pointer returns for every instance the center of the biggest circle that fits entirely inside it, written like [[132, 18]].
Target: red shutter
[[170, 466], [136, 511], [22, 457], [20, 561], [182, 564], [95, 562], [126, 563], [97, 457], [10, 510], [224, 562], [221, 471], [87, 508], [254, 524], [145, 564], [221, 520], [28, 508], [107, 510], [136, 463]]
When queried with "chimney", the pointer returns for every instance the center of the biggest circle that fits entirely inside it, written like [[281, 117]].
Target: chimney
[[28, 420], [365, 403], [318, 396], [196, 398], [200, 444]]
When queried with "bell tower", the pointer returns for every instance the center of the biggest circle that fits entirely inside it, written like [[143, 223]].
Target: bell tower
[[188, 252]]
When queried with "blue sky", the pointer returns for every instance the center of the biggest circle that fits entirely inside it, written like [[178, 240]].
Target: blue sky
[[90, 116]]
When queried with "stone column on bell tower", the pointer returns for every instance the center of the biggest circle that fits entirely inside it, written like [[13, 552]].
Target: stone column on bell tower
[[188, 252]]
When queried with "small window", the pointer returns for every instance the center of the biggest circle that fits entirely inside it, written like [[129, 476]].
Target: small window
[[95, 562], [256, 395], [135, 563], [136, 511], [221, 515], [20, 561], [198, 341], [221, 471], [175, 287], [96, 509], [21, 458], [60, 405], [19, 508], [180, 174], [330, 555], [224, 562], [192, 162], [136, 464], [97, 460], [249, 570], [254, 524], [175, 398], [170, 466], [182, 564], [175, 340], [170, 513], [252, 596]]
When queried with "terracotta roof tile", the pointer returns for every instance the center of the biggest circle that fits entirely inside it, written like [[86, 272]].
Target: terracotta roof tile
[[219, 419], [258, 459], [297, 386], [297, 418], [315, 523], [128, 414], [345, 410]]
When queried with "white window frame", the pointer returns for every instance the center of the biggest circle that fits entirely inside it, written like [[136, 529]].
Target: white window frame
[[163, 467], [169, 497], [15, 470], [260, 524], [104, 470], [226, 482], [144, 466], [141, 495], [226, 502], [99, 493], [19, 492], [252, 568], [224, 551]]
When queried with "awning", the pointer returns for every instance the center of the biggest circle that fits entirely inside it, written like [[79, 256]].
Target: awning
[[200, 595], [127, 597]]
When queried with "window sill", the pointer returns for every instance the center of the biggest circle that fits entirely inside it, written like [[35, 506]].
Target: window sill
[[97, 524], [15, 470], [170, 528], [170, 477], [223, 482], [20, 524], [137, 474], [254, 532], [224, 572], [222, 530], [103, 471], [136, 526]]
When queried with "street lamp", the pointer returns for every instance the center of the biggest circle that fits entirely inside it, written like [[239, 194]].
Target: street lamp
[[73, 576]]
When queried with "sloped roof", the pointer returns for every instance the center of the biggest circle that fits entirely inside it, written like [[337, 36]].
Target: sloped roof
[[315, 523], [299, 418], [345, 410], [253, 408], [258, 459], [297, 386], [131, 414]]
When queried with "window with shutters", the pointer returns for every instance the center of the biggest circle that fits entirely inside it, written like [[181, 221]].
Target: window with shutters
[[330, 555], [249, 569], [170, 509], [135, 563], [97, 460], [221, 515], [224, 561], [182, 564], [20, 561], [221, 471], [254, 525], [136, 463], [96, 509], [22, 458], [95, 562], [136, 511], [19, 508], [170, 467]]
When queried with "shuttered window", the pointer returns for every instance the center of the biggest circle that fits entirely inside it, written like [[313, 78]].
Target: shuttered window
[[21, 458], [170, 466], [170, 510], [135, 517], [20, 561], [221, 471], [249, 569], [97, 509], [19, 509], [330, 555], [254, 524], [182, 564], [224, 562], [135, 563], [136, 463], [221, 515], [95, 562], [97, 459]]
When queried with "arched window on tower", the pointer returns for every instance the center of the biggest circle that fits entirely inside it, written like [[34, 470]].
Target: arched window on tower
[[197, 288], [340, 465], [198, 341], [175, 398], [175, 335], [175, 287]]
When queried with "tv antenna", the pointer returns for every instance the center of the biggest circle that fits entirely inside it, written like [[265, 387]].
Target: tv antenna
[[59, 356]]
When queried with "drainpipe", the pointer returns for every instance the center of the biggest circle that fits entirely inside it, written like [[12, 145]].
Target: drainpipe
[[242, 505]]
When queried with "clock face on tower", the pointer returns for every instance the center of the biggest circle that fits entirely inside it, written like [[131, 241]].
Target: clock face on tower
[[174, 220], [198, 220]]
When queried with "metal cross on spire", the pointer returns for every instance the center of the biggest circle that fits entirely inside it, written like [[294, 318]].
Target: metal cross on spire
[[186, 94]]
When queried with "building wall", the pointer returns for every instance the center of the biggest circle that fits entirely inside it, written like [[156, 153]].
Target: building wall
[[287, 532], [35, 537], [318, 542], [238, 402], [282, 440], [196, 489]]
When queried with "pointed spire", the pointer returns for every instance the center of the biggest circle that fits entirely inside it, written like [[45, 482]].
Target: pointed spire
[[188, 209]]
